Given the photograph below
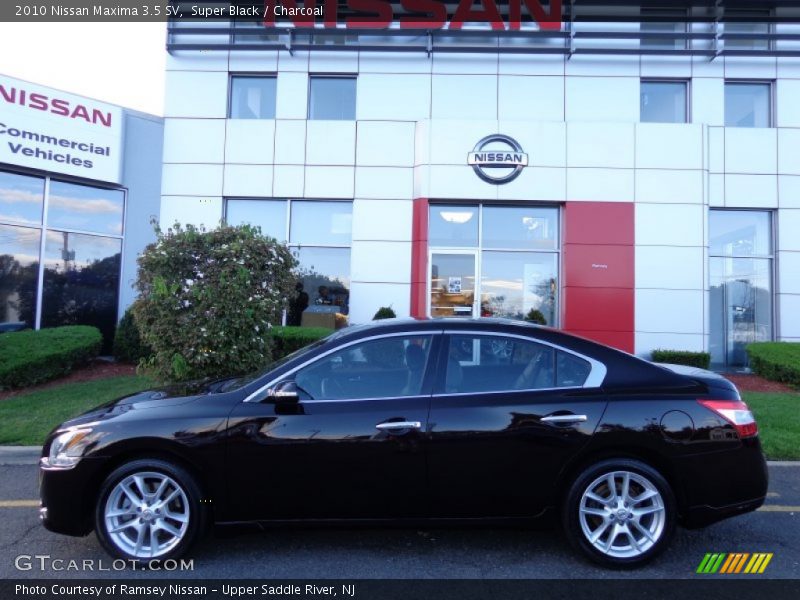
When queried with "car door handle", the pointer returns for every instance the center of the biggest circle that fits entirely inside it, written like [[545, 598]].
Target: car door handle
[[564, 419], [394, 425]]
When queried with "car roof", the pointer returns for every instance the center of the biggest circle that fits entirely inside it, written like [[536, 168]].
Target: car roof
[[624, 370]]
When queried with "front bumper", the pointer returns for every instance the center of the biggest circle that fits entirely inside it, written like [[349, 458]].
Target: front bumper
[[67, 497]]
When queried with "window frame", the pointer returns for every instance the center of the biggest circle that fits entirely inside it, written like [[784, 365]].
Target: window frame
[[594, 380], [772, 106], [293, 246], [687, 84], [480, 248], [250, 75], [44, 226], [772, 257], [319, 76]]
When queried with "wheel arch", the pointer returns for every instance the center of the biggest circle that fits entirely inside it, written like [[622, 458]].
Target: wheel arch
[[652, 458], [145, 448]]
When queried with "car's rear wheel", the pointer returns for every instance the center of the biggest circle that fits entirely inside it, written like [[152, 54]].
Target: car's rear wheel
[[149, 509], [620, 513]]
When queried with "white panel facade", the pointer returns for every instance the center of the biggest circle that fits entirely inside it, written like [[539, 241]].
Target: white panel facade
[[579, 122], [194, 141], [196, 94], [247, 141]]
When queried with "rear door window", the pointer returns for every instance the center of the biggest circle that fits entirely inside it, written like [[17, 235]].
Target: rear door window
[[487, 363]]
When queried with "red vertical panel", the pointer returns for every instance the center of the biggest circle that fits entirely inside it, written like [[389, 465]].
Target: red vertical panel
[[598, 267], [419, 257]]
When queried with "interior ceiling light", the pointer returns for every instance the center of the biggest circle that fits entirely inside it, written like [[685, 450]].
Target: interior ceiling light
[[456, 217]]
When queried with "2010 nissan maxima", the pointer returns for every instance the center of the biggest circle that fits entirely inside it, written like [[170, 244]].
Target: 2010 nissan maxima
[[409, 421]]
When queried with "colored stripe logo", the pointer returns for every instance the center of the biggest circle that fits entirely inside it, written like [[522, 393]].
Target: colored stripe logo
[[734, 562]]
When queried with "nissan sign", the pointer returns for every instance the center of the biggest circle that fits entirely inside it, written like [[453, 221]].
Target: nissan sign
[[497, 159]]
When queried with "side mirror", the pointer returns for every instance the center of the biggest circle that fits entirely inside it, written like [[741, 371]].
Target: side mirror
[[285, 392]]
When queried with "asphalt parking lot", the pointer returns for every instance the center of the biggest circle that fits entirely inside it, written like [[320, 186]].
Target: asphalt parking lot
[[486, 553]]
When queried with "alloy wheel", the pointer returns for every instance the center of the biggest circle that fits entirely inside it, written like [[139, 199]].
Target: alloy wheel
[[147, 514], [622, 514]]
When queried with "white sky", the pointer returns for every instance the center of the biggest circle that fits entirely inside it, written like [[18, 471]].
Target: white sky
[[121, 63]]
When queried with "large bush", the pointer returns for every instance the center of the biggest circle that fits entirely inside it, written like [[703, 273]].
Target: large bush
[[208, 299], [778, 361], [31, 357], [701, 360], [128, 344], [290, 339]]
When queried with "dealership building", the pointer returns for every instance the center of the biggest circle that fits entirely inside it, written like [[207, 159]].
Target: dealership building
[[635, 183], [79, 184]]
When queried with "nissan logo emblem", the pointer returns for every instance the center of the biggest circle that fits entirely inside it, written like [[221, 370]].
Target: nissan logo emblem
[[497, 159]]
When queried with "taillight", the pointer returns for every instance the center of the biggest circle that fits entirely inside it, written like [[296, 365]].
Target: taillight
[[736, 413]]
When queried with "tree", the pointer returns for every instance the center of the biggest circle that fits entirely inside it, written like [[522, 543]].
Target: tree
[[208, 299]]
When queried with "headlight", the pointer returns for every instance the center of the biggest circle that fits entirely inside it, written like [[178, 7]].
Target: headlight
[[68, 447]]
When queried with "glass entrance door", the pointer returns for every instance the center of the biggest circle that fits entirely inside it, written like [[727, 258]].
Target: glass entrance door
[[741, 308], [452, 290], [741, 295]]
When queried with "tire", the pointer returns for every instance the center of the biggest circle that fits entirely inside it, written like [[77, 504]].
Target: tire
[[168, 511], [641, 522]]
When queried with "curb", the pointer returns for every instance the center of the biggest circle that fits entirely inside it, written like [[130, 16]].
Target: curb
[[29, 455], [20, 455]]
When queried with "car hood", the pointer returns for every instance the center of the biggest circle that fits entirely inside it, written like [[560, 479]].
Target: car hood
[[163, 397]]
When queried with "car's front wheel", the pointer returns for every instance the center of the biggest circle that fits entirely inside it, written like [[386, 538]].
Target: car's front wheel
[[620, 513], [148, 509]]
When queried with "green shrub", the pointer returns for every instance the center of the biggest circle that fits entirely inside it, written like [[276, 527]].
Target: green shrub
[[536, 316], [778, 361], [128, 344], [701, 360], [384, 312], [207, 299], [290, 339], [31, 357]]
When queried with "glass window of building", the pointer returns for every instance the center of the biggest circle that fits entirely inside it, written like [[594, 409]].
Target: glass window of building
[[19, 274], [252, 97], [332, 98], [21, 199], [81, 208], [748, 104], [81, 281], [319, 234], [80, 268], [246, 31], [664, 21], [455, 226], [752, 25], [269, 215], [493, 260], [740, 256], [663, 101]]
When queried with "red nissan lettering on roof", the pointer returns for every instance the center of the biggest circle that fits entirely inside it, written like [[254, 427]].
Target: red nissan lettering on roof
[[427, 14]]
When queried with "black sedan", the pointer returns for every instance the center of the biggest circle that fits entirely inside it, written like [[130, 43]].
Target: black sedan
[[405, 421]]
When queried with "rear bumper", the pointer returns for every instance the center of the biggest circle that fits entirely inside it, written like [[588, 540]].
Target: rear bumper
[[720, 485], [702, 516]]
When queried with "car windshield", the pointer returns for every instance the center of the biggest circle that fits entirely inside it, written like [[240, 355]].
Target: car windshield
[[240, 382]]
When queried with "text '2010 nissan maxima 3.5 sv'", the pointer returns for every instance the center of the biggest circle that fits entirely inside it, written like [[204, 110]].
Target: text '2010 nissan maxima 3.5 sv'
[[471, 419]]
